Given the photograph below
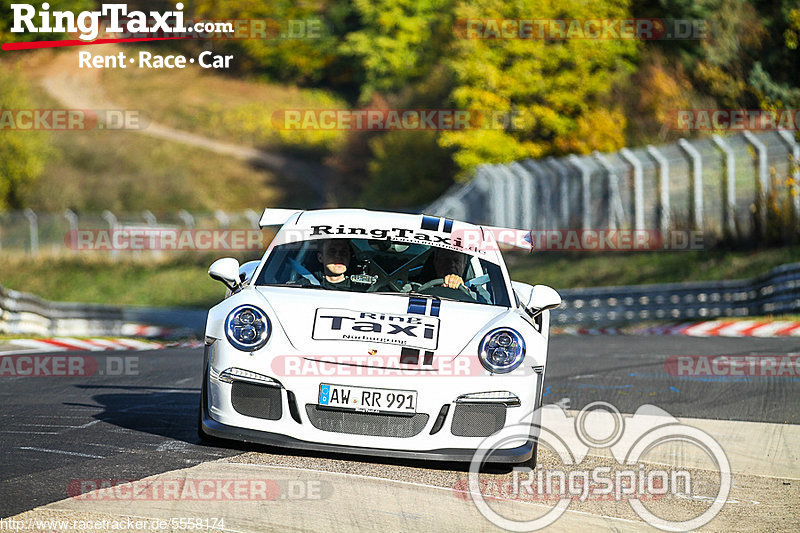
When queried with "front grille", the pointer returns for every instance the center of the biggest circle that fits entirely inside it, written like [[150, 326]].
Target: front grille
[[258, 401], [373, 424], [478, 419]]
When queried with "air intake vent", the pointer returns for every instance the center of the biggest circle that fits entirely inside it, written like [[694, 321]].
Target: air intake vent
[[376, 425], [478, 419], [258, 401]]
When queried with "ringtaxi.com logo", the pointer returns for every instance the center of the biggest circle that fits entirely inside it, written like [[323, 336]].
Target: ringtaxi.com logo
[[630, 440]]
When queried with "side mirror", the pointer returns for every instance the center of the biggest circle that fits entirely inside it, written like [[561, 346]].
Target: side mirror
[[225, 270], [247, 270], [536, 299]]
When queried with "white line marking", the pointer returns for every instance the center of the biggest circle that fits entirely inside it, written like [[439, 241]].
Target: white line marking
[[31, 432], [64, 452], [86, 425]]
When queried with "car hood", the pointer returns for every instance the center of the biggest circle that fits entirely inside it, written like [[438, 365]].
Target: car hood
[[327, 322]]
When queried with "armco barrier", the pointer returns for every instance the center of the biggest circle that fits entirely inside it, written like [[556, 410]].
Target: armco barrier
[[26, 314], [775, 292]]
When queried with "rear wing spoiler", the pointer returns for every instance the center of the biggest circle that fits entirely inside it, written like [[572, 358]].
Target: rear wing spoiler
[[276, 217]]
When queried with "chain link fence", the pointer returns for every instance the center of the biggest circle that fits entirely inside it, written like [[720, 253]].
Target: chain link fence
[[718, 185], [39, 233]]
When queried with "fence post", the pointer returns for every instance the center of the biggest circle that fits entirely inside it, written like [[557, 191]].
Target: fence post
[[539, 187], [483, 186], [223, 218], [511, 212], [187, 218], [663, 185], [253, 218], [615, 209], [638, 185], [563, 187], [527, 194], [697, 182], [586, 192], [763, 173], [72, 220], [794, 149], [149, 218], [730, 178], [33, 226], [109, 217]]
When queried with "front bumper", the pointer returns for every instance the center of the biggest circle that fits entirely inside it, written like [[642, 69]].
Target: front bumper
[[294, 430], [211, 427]]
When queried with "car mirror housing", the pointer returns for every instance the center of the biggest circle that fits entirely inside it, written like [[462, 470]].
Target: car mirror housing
[[225, 270], [537, 298]]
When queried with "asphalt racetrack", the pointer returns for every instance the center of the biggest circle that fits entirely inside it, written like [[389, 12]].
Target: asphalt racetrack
[[57, 431]]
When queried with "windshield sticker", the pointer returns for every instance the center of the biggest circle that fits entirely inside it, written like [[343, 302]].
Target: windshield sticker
[[401, 234]]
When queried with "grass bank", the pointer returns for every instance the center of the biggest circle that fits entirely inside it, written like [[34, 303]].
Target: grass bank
[[182, 280]]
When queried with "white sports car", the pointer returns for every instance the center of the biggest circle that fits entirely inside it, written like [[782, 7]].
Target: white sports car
[[376, 333]]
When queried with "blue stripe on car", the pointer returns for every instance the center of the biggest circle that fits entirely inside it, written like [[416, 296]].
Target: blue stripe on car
[[430, 223], [417, 306]]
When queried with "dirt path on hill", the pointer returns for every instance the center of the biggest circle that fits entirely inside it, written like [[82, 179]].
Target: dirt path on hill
[[82, 89]]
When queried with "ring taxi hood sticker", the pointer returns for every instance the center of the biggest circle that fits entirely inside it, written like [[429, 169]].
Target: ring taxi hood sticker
[[402, 330]]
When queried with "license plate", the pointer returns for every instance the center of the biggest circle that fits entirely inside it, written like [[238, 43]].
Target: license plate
[[368, 399]]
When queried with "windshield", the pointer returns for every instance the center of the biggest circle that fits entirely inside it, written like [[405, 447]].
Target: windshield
[[385, 266]]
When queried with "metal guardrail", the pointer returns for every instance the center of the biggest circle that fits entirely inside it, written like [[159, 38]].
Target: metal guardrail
[[775, 292], [25, 314]]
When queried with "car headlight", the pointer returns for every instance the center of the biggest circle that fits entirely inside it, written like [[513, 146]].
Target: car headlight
[[247, 328], [502, 350]]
